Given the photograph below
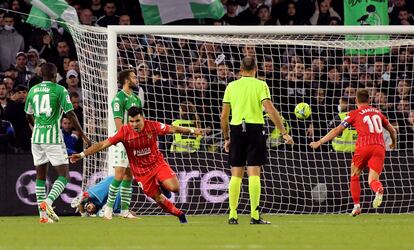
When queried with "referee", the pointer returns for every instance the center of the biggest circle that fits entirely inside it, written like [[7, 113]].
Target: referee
[[245, 138]]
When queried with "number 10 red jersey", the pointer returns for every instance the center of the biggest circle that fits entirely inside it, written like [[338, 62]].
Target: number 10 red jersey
[[369, 123]]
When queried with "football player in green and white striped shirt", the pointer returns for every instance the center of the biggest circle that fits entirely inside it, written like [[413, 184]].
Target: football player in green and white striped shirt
[[123, 100], [44, 107]]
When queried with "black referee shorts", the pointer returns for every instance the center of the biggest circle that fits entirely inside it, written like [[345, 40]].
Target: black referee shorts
[[247, 147]]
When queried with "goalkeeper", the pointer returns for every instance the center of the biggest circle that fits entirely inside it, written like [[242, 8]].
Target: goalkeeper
[[92, 201]]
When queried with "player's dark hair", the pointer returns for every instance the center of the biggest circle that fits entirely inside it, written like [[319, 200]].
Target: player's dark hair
[[124, 75], [248, 63], [363, 96], [49, 72], [134, 111]]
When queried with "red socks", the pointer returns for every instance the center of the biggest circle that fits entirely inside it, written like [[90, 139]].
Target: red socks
[[355, 189], [169, 207], [375, 185]]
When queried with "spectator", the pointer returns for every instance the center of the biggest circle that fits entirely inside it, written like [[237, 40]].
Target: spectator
[[77, 108], [323, 13], [9, 82], [72, 80], [11, 42], [32, 60], [349, 92], [64, 55], [109, 18], [249, 16], [3, 96], [188, 118], [124, 19], [396, 7], [69, 136], [403, 91], [97, 10], [86, 17], [14, 113], [231, 15], [263, 13], [290, 16], [405, 18], [321, 115], [23, 73]]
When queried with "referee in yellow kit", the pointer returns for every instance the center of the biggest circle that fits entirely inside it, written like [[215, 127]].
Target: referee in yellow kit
[[245, 138]]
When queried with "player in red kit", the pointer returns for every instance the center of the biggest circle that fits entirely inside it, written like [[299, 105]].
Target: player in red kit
[[147, 163], [369, 149]]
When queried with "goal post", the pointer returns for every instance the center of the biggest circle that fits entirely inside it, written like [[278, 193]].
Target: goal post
[[299, 63]]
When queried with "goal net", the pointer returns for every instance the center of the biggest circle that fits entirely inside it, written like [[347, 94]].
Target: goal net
[[183, 77]]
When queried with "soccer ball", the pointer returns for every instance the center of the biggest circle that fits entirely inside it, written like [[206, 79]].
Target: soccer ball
[[303, 110]]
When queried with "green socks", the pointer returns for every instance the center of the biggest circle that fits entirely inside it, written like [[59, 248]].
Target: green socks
[[254, 193], [40, 194], [57, 189], [234, 194], [126, 192], [113, 191]]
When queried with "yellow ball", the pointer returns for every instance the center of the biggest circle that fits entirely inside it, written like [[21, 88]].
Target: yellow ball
[[303, 111]]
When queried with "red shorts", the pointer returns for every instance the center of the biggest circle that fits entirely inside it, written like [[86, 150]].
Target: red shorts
[[371, 156], [150, 181]]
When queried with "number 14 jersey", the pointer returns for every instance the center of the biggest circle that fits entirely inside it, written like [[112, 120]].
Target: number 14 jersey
[[369, 123], [47, 101]]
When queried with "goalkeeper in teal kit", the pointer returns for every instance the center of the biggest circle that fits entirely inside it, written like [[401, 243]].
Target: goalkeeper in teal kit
[[93, 201]]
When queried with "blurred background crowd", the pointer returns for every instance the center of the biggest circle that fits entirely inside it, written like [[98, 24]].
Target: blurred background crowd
[[181, 79]]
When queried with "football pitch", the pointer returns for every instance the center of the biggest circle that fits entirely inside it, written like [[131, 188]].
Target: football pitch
[[367, 231]]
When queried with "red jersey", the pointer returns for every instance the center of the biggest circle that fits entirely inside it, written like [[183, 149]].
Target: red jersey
[[369, 123], [141, 147]]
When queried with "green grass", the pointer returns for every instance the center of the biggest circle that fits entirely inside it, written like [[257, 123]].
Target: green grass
[[368, 231]]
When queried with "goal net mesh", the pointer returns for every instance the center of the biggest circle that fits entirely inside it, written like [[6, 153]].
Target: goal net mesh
[[182, 76]]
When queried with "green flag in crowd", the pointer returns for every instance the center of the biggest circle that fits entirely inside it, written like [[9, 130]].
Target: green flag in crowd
[[165, 11], [367, 12], [44, 11]]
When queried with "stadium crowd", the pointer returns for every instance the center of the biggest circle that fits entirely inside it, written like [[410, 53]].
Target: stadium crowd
[[178, 71]]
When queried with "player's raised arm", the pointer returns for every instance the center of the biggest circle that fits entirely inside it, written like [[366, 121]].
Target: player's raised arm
[[91, 150], [393, 134], [328, 137]]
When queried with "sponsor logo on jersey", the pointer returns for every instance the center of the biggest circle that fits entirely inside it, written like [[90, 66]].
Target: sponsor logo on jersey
[[142, 152]]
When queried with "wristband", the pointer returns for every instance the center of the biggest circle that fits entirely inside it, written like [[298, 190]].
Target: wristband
[[82, 154], [192, 131]]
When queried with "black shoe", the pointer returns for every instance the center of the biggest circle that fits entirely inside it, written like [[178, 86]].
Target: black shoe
[[233, 221], [183, 219], [260, 221]]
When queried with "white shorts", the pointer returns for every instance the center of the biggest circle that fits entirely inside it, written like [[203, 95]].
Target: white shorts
[[119, 156], [56, 154]]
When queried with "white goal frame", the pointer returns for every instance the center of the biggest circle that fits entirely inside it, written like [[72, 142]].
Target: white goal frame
[[115, 30]]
